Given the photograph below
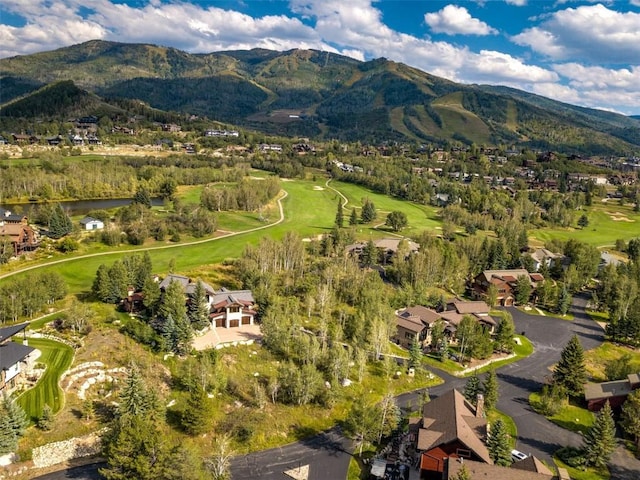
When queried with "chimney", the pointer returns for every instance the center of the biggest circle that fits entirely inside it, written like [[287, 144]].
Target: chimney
[[480, 405]]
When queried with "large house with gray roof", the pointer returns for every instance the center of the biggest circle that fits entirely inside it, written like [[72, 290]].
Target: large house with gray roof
[[227, 308], [14, 356]]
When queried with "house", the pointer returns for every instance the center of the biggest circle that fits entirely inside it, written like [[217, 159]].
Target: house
[[90, 223], [616, 392], [455, 309], [450, 428], [227, 308], [14, 356], [386, 246], [504, 282], [542, 256], [171, 127], [529, 470], [232, 308], [15, 218], [21, 236], [413, 324]]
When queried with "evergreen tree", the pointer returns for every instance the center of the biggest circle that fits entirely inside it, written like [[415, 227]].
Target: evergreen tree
[[142, 197], [167, 330], [583, 221], [15, 414], [570, 372], [196, 414], [599, 442], [491, 390], [173, 302], [522, 290], [118, 282], [503, 341], [339, 214], [151, 295], [8, 437], [369, 255], [630, 417], [143, 272], [415, 354], [183, 336], [135, 398], [197, 310], [368, 213], [45, 422], [60, 223], [564, 301], [134, 448], [101, 287], [353, 219], [472, 388], [498, 444]]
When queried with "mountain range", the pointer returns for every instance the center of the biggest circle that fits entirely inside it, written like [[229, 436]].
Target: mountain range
[[304, 92]]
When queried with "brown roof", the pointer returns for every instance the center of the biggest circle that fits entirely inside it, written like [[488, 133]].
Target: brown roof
[[511, 275], [449, 418], [479, 470], [13, 229], [464, 307], [532, 464], [616, 388], [426, 315], [411, 323]]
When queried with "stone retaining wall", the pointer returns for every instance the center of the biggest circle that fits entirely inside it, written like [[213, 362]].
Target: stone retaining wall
[[58, 452]]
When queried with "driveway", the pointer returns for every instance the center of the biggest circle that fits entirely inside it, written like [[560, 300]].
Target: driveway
[[326, 454]]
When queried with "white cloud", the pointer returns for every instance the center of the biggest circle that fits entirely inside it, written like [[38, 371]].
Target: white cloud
[[592, 33], [517, 3], [500, 67], [454, 20]]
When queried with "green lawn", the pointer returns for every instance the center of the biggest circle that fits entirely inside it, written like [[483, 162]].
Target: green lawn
[[577, 474], [512, 429], [607, 223], [420, 217], [57, 357], [571, 416], [546, 313]]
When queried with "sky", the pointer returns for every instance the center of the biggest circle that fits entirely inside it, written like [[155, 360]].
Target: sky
[[580, 52]]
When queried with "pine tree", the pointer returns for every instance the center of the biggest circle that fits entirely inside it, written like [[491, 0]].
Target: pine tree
[[173, 302], [491, 390], [339, 214], [353, 219], [463, 474], [118, 282], [183, 336], [415, 354], [45, 422], [135, 398], [198, 311], [570, 372], [8, 437], [59, 223], [630, 417], [564, 301], [472, 388], [15, 414], [498, 444], [102, 285], [599, 442], [503, 341], [195, 416], [368, 213]]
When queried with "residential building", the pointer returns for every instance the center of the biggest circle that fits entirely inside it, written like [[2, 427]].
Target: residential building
[[21, 236], [228, 308], [529, 469], [90, 223], [615, 392], [542, 256], [413, 324], [504, 282], [14, 357], [450, 428]]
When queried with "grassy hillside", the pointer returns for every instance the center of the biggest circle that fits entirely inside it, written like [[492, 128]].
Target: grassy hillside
[[332, 95]]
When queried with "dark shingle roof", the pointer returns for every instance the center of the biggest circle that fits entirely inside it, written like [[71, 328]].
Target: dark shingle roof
[[7, 332], [12, 353]]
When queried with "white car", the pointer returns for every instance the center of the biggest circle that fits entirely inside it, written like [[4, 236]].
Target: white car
[[517, 455]]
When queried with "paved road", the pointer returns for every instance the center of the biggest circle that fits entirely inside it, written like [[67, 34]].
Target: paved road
[[326, 454], [85, 472]]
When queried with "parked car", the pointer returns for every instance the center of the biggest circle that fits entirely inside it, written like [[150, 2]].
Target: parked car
[[517, 455]]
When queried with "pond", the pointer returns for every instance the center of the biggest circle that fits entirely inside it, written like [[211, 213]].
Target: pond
[[79, 207]]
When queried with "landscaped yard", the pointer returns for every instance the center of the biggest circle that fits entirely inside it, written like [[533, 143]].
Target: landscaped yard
[[57, 357], [571, 417]]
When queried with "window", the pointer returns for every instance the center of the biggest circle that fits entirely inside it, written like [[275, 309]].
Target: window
[[409, 335], [235, 309]]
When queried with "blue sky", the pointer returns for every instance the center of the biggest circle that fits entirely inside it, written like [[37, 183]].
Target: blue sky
[[581, 52]]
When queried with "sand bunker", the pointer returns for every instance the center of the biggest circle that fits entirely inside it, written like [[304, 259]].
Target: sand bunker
[[619, 217], [316, 187]]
